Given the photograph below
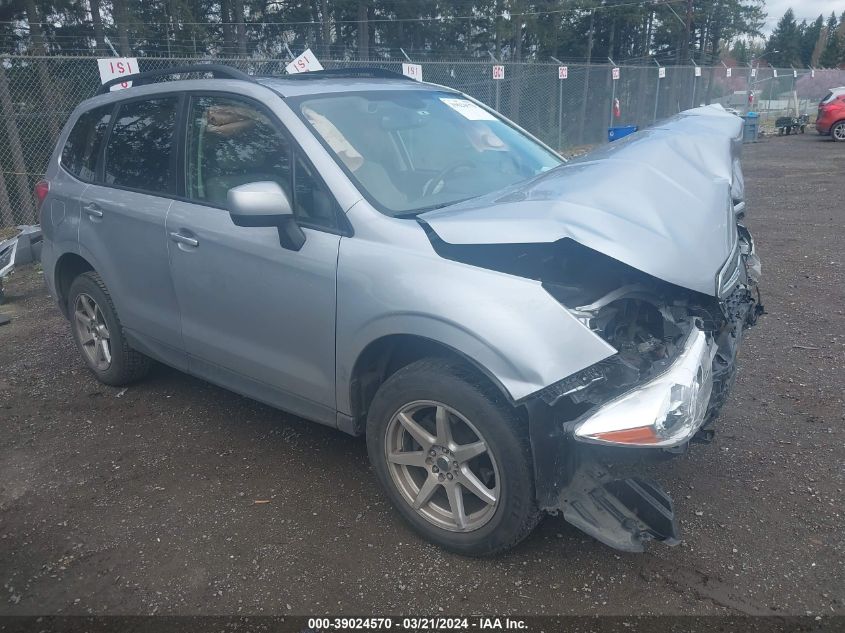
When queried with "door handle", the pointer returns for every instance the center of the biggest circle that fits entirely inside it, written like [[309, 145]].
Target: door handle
[[184, 239], [93, 210]]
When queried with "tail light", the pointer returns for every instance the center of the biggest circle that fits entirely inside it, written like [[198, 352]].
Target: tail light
[[42, 188]]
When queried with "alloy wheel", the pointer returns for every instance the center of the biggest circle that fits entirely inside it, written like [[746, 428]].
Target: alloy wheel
[[92, 332], [839, 132], [442, 466]]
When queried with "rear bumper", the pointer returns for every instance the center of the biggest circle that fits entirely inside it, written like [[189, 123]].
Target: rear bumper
[[823, 124]]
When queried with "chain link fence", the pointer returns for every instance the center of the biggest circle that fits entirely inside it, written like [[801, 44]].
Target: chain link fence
[[38, 93]]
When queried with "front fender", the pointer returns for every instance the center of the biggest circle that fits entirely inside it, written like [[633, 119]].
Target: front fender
[[509, 326]]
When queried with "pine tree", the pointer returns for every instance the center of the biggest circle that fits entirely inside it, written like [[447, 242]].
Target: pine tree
[[784, 46], [830, 57]]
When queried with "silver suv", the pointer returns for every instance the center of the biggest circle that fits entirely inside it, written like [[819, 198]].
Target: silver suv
[[394, 259]]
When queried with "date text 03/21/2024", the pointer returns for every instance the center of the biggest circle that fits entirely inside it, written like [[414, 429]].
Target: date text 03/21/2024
[[417, 624]]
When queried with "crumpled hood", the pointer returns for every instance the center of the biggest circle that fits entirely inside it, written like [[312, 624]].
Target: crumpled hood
[[659, 200]]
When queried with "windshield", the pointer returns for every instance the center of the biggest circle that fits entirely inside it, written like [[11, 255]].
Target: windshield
[[410, 151]]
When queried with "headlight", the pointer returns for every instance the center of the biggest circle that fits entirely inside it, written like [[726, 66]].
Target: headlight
[[728, 275], [666, 411]]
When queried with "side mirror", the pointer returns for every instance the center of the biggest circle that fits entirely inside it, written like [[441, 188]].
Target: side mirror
[[265, 204]]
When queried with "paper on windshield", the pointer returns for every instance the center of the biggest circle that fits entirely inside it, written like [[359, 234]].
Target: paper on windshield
[[468, 109], [336, 140]]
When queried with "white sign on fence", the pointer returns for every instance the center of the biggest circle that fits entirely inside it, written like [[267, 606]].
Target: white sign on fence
[[661, 73], [812, 72], [498, 72], [414, 71], [562, 72], [775, 72], [698, 71], [794, 73], [753, 72], [727, 72], [304, 63], [615, 73], [113, 67]]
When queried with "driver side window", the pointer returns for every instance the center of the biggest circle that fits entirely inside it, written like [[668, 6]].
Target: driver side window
[[232, 142]]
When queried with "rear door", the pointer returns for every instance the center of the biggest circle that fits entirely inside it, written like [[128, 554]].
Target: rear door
[[122, 227], [256, 317]]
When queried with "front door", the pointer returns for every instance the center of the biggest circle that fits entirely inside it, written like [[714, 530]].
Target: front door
[[256, 317]]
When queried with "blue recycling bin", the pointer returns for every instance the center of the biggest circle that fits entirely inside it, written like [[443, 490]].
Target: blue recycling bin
[[615, 133], [751, 127]]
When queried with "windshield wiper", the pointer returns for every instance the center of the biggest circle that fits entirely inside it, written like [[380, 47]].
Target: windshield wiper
[[434, 207]]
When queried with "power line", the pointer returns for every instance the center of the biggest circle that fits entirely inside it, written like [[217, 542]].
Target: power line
[[439, 18]]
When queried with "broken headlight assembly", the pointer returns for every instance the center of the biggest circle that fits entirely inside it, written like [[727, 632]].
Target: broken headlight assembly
[[666, 411]]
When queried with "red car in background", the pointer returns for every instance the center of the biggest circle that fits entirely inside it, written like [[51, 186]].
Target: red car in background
[[831, 119]]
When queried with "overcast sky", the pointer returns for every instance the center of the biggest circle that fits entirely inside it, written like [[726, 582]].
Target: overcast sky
[[804, 9]]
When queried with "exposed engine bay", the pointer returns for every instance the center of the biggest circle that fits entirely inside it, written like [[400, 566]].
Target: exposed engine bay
[[650, 323], [644, 318]]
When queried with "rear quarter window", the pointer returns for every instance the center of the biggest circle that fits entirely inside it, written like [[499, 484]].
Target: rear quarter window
[[85, 142], [140, 145]]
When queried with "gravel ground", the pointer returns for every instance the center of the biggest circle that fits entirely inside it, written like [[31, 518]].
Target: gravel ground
[[144, 501]]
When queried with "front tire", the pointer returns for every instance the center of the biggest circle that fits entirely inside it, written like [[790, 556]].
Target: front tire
[[99, 335], [453, 457]]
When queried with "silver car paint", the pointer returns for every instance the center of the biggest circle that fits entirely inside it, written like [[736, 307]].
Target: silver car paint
[[389, 280], [656, 199]]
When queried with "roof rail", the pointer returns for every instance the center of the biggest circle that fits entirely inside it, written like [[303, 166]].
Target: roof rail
[[351, 72], [218, 71]]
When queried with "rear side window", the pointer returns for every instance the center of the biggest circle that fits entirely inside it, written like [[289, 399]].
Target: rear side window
[[140, 145], [85, 142]]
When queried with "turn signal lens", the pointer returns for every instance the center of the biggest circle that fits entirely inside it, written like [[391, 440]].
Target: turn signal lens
[[639, 435]]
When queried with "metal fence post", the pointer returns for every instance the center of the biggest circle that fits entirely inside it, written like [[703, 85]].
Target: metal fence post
[[657, 92], [612, 91], [559, 106]]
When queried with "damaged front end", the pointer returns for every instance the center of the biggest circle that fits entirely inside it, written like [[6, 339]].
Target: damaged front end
[[674, 369], [671, 375], [659, 267]]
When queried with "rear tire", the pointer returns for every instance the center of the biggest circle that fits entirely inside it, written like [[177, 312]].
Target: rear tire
[[837, 132], [463, 433], [99, 335]]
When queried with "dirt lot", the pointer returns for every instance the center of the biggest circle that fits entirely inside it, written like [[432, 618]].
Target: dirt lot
[[143, 501]]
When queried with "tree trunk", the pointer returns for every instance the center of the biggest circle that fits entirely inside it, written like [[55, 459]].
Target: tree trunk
[[6, 217], [516, 56], [97, 23], [327, 28], [498, 28], [363, 31], [26, 210], [228, 30], [121, 18], [583, 118], [48, 89], [240, 26]]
